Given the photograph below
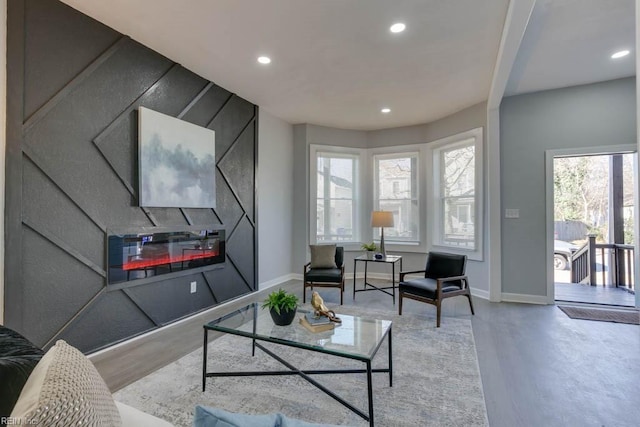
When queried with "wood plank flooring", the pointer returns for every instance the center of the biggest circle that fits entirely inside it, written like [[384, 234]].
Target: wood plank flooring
[[538, 367], [597, 294]]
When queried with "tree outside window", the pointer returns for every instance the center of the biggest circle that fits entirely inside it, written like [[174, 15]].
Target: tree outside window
[[457, 194]]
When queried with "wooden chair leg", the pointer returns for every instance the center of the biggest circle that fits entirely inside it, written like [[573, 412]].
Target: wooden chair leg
[[400, 305], [438, 313], [304, 293], [470, 304], [341, 293]]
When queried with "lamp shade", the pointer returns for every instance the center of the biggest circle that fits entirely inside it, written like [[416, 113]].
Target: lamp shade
[[382, 219]]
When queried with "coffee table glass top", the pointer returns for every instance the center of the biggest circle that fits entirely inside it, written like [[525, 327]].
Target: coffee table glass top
[[356, 337]]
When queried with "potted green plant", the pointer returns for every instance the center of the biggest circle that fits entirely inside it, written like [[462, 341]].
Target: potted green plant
[[370, 248], [282, 306]]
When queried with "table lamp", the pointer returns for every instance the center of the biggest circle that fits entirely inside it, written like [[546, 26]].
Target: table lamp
[[382, 219]]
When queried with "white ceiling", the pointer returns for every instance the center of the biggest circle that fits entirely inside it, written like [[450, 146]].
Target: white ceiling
[[570, 42], [335, 63]]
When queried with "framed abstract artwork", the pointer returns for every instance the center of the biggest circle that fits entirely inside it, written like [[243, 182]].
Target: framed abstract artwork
[[177, 162]]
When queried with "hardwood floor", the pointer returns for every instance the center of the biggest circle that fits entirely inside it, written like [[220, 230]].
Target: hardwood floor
[[597, 294], [538, 367]]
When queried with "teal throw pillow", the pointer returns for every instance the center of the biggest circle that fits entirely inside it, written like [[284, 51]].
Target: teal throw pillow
[[211, 417]]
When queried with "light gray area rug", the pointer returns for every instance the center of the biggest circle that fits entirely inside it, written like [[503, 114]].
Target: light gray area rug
[[436, 380]]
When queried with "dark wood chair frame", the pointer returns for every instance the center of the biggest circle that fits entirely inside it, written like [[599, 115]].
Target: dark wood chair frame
[[311, 285], [439, 294]]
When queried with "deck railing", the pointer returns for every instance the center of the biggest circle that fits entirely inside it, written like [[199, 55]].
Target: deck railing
[[616, 264]]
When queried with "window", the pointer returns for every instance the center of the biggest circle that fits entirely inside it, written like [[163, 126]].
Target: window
[[335, 196], [457, 193], [396, 190]]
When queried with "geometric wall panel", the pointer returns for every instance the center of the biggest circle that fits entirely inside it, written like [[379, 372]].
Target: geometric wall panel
[[151, 298], [91, 330], [50, 298], [227, 283], [229, 123], [207, 106], [239, 245], [74, 90], [49, 72], [237, 167], [167, 217], [56, 214], [201, 216], [228, 208]]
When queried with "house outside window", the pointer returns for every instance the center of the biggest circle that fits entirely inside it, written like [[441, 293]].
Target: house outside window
[[396, 190], [336, 178]]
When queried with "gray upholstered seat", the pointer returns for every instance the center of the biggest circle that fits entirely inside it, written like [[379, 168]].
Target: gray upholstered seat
[[426, 287], [444, 277], [324, 275]]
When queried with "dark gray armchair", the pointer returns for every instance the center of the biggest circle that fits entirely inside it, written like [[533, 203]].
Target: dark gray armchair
[[325, 277], [444, 277]]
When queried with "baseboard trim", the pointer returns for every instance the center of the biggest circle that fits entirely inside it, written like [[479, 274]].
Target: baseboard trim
[[348, 276], [205, 314], [278, 280], [523, 298], [480, 293]]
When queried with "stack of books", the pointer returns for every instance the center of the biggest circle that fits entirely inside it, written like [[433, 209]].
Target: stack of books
[[316, 324]]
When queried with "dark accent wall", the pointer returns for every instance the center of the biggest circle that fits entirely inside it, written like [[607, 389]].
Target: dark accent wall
[[74, 87]]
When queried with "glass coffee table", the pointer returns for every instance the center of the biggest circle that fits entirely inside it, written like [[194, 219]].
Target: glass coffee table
[[357, 338]]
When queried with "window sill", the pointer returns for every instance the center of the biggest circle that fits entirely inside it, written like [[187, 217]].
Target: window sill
[[472, 254], [406, 247]]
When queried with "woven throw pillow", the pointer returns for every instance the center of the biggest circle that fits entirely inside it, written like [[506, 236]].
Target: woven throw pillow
[[323, 256], [66, 389]]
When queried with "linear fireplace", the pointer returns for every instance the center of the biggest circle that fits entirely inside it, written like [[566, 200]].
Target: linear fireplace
[[154, 252]]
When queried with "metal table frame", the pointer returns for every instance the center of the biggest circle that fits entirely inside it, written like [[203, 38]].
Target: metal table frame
[[292, 370], [389, 259]]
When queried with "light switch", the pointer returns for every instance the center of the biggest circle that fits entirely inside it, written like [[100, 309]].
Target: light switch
[[512, 213], [193, 287]]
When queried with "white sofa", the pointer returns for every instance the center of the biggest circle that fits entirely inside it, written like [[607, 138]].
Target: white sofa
[[132, 417]]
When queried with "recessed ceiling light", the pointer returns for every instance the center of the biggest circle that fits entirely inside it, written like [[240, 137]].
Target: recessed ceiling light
[[264, 60], [620, 54], [397, 27], [385, 110]]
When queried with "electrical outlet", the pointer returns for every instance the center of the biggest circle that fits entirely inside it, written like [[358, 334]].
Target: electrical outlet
[[193, 287]]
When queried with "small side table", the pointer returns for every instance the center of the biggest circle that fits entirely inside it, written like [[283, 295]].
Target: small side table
[[389, 259]]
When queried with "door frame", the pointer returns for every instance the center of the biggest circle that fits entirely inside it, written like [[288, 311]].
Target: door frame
[[549, 219]]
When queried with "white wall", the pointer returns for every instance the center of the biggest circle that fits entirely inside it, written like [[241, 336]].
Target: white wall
[[3, 135], [577, 117], [275, 199], [469, 118]]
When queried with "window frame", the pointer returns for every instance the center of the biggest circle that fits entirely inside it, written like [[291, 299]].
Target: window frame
[[436, 230], [338, 152]]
